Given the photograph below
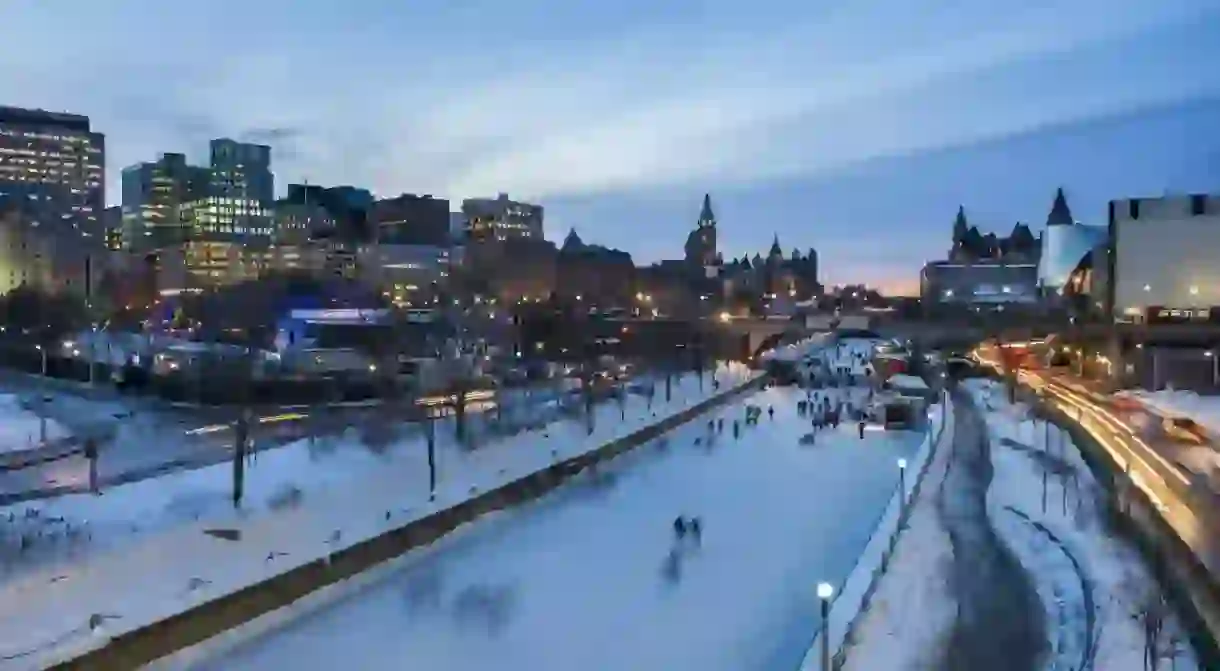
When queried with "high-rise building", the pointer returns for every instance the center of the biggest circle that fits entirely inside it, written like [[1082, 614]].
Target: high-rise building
[[239, 197], [501, 219], [112, 227], [157, 198], [53, 162]]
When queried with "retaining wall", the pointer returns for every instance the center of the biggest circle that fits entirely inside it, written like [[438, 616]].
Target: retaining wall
[[854, 595], [192, 627]]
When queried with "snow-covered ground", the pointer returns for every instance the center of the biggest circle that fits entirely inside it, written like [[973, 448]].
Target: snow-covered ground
[[83, 555], [1047, 507], [592, 576], [20, 429]]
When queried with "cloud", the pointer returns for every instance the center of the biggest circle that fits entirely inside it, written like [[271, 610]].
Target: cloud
[[466, 109]]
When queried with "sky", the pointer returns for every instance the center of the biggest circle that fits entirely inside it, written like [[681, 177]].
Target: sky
[[853, 127]]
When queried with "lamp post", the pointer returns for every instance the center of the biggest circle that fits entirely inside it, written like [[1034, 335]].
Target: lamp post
[[430, 429], [825, 592], [902, 481], [42, 396]]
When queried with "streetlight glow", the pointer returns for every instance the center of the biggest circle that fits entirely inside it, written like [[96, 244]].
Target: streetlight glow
[[902, 464], [825, 591]]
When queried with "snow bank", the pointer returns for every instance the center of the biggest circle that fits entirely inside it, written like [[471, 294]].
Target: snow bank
[[1204, 410], [1048, 508], [854, 595], [909, 612], [45, 615], [20, 429]]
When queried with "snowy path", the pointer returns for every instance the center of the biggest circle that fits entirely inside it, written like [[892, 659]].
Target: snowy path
[[1000, 622], [580, 579]]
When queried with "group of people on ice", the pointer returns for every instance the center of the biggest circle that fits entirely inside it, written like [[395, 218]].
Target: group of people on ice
[[688, 537], [754, 412], [834, 369]]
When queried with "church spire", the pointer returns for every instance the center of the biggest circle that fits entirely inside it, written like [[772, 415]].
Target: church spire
[[776, 251], [959, 224], [1061, 214], [706, 216]]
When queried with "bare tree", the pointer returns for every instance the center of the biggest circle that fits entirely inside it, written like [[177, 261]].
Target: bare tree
[[1149, 608]]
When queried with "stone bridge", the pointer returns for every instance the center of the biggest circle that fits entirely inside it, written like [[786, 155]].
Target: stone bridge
[[749, 336]]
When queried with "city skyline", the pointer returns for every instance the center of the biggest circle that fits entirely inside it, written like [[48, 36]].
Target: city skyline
[[813, 124]]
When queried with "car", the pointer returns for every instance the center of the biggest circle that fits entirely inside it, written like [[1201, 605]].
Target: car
[[1185, 430]]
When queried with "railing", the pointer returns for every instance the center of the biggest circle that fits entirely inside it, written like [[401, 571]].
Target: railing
[[853, 597]]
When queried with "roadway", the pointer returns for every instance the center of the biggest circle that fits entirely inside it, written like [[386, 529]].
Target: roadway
[[1162, 467], [593, 576]]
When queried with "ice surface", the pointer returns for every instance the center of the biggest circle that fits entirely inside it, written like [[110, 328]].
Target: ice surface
[[850, 593], [20, 428], [592, 577], [1023, 450], [297, 502]]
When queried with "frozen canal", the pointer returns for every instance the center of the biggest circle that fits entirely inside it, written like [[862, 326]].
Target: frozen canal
[[584, 579]]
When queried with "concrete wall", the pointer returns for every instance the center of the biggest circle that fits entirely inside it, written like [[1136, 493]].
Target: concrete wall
[[1157, 367]]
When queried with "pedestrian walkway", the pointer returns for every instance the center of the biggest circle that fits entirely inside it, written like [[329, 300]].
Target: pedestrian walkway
[[1000, 621]]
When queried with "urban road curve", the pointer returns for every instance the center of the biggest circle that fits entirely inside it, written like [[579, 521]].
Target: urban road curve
[[1000, 623]]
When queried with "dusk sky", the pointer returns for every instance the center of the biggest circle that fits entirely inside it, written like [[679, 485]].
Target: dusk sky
[[855, 127]]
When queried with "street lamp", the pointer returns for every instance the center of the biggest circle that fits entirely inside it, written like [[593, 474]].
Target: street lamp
[[42, 396], [902, 480], [825, 592]]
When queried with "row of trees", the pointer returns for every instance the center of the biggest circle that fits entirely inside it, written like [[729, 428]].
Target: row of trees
[[33, 313]]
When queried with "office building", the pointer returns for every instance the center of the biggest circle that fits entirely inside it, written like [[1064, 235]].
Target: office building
[[311, 210], [302, 215], [112, 227], [240, 194], [408, 275], [411, 220], [54, 163], [1161, 261], [159, 198], [501, 219], [34, 255]]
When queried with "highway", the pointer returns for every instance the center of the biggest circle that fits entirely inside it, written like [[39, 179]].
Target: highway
[[1132, 437]]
